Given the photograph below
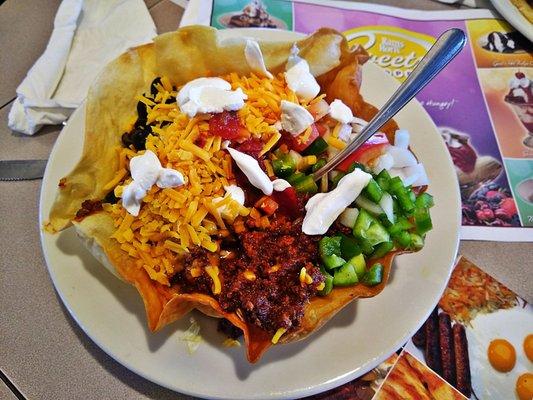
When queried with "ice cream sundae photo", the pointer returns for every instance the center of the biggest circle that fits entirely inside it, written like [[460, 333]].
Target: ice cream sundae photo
[[520, 98], [505, 42], [254, 14]]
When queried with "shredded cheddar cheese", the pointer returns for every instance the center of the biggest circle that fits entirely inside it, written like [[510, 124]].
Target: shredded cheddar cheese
[[171, 221], [279, 333]]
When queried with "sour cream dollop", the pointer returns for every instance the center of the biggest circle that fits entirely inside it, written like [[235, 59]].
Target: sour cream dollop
[[254, 58], [294, 118], [146, 171], [209, 95], [280, 185], [250, 167], [324, 208], [301, 81]]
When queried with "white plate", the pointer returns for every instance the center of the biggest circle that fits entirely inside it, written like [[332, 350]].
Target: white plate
[[352, 343], [509, 11]]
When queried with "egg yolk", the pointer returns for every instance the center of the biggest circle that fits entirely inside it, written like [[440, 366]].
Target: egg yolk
[[528, 347], [524, 386], [502, 355]]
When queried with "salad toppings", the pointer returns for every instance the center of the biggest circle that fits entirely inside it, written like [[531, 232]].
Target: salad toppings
[[209, 95], [146, 170], [253, 237], [301, 81], [340, 112], [295, 119], [255, 60], [324, 208], [250, 167]]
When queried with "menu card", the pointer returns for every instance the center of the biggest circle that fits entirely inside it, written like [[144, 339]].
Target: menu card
[[482, 103], [463, 351]]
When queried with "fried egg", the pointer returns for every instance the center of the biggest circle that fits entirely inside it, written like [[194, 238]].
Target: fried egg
[[506, 330]]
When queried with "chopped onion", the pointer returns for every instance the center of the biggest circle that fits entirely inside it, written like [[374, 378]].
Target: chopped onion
[[348, 217], [295, 156], [401, 139], [345, 133], [368, 205], [384, 161], [402, 157], [419, 171], [386, 205]]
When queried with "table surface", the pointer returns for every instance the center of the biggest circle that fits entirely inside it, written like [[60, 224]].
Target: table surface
[[43, 352]]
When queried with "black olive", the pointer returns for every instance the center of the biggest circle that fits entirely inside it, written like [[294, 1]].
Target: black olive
[[110, 198], [153, 89], [165, 123], [137, 138], [170, 100], [142, 113]]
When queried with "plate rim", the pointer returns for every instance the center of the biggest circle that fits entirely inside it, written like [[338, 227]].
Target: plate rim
[[287, 394], [514, 17]]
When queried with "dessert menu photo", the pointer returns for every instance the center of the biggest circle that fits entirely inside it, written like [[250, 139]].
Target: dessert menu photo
[[482, 103]]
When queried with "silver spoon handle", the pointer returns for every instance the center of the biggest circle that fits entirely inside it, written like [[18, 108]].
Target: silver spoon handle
[[447, 46]]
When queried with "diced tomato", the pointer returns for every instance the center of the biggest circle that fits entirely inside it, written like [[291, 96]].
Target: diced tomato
[[252, 147], [318, 109], [267, 205], [371, 149], [288, 202], [227, 125], [322, 129], [295, 143]]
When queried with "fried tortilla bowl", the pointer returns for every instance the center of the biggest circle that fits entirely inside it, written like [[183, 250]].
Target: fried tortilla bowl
[[186, 54]]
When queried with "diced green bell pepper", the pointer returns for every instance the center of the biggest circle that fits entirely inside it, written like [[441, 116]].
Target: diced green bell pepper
[[382, 249], [295, 178], [283, 166], [422, 220], [424, 200], [349, 247], [401, 224], [315, 148], [374, 275], [345, 276], [383, 179], [306, 184], [328, 283], [359, 265], [377, 234], [365, 246], [417, 241], [403, 238], [362, 223], [373, 191], [330, 251], [319, 164]]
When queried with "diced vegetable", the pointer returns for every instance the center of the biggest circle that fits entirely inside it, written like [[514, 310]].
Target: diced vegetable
[[374, 275], [348, 217], [319, 164], [383, 179], [377, 234], [401, 225], [296, 143], [365, 246], [364, 219], [386, 205], [345, 276], [306, 185], [349, 247], [315, 148], [338, 176], [424, 200], [369, 150], [422, 220], [403, 238], [287, 202], [267, 205], [227, 125], [284, 165], [417, 242], [359, 265], [373, 192], [330, 251], [368, 205], [382, 249], [295, 178], [328, 283]]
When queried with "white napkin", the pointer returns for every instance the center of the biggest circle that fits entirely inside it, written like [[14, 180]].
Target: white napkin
[[87, 35]]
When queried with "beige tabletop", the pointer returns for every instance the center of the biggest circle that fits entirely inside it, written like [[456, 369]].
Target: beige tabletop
[[43, 352]]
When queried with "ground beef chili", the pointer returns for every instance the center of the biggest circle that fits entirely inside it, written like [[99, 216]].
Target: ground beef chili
[[259, 270], [88, 207]]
